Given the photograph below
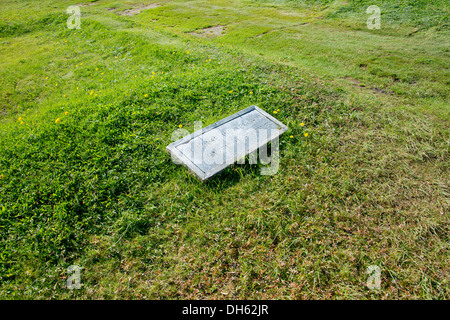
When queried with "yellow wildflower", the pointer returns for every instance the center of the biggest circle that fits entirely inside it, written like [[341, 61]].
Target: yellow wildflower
[[146, 95], [66, 113], [180, 126], [302, 124], [305, 134], [291, 136], [58, 120]]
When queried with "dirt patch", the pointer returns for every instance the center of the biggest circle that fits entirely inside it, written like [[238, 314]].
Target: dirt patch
[[356, 83], [209, 32], [378, 90], [137, 10], [87, 4]]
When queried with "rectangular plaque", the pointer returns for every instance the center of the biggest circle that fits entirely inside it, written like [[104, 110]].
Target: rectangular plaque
[[208, 151]]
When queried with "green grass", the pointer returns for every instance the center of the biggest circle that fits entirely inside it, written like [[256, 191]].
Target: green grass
[[368, 186]]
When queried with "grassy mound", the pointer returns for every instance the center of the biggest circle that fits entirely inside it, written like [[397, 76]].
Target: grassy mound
[[84, 178]]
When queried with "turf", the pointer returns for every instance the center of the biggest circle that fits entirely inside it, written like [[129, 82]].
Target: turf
[[86, 115]]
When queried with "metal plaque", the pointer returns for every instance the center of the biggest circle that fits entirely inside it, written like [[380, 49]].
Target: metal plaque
[[209, 150]]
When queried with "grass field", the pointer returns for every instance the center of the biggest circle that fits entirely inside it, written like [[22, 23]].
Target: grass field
[[86, 114]]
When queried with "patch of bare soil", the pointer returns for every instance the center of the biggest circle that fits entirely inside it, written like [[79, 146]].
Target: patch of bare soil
[[137, 10], [356, 83], [209, 32], [87, 4]]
